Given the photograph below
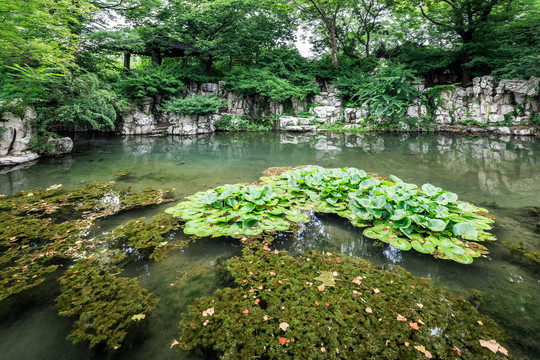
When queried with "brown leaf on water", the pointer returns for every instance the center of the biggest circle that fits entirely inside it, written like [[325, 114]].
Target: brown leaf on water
[[493, 346], [283, 326], [401, 318], [174, 343], [414, 325]]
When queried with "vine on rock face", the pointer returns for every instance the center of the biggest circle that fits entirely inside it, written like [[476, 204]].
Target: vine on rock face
[[427, 219], [280, 309]]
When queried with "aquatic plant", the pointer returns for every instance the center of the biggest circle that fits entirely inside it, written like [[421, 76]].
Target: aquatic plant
[[280, 307], [106, 306], [427, 219], [39, 229], [147, 238]]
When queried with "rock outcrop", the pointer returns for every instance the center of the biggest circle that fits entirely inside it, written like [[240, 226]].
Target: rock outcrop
[[15, 135]]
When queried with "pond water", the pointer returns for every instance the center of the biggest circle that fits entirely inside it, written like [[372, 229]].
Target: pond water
[[500, 174]]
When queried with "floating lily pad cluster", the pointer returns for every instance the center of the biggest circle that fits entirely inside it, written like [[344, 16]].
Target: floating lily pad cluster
[[427, 219], [279, 308], [237, 210]]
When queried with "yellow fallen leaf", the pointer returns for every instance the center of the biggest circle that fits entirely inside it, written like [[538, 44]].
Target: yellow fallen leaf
[[376, 291], [283, 326], [420, 348], [357, 280], [174, 343], [320, 287], [369, 311], [208, 312], [246, 311], [401, 318], [493, 346], [420, 305], [323, 349], [480, 323], [414, 325], [428, 354]]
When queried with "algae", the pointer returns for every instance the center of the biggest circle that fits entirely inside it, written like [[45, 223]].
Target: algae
[[367, 314]]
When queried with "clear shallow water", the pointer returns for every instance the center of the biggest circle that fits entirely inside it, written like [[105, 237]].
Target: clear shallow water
[[497, 173]]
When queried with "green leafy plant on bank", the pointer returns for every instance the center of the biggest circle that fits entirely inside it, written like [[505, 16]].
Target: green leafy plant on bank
[[195, 105], [323, 305], [239, 123], [427, 219]]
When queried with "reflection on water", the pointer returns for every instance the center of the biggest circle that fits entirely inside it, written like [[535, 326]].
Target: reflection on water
[[498, 173]]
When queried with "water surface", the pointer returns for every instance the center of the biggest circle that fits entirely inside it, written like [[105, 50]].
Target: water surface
[[500, 174]]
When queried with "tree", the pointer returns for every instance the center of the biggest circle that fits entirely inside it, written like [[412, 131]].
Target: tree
[[463, 19], [359, 25], [40, 32], [326, 11]]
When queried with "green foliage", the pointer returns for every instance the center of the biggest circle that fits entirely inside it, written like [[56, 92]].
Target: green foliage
[[81, 102], [41, 33], [264, 82], [40, 145], [106, 305], [386, 94], [278, 310], [235, 123], [430, 220], [26, 85], [151, 81], [195, 105]]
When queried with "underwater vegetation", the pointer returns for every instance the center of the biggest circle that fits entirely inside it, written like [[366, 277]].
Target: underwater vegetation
[[41, 230], [322, 305], [426, 219], [106, 305]]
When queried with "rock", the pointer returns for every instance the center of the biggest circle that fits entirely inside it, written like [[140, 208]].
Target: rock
[[11, 160], [61, 146], [300, 128]]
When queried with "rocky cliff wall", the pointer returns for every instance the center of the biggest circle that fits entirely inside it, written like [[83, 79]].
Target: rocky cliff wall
[[502, 106]]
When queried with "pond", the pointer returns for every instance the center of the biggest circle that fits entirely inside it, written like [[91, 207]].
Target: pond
[[500, 174]]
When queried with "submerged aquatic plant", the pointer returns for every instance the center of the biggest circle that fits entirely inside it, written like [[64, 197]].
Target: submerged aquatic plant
[[280, 308], [105, 305], [40, 229], [427, 219]]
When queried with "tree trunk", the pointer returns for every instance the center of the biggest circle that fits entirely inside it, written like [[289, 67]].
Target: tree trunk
[[333, 42], [127, 62]]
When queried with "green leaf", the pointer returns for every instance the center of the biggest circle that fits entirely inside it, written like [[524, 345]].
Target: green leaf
[[465, 230], [327, 278]]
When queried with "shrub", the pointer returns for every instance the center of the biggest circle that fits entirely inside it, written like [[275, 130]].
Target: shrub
[[151, 81], [196, 105]]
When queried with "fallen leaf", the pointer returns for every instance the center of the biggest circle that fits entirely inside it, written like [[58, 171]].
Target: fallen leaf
[[174, 343], [335, 273], [252, 291], [401, 318], [266, 317], [327, 304], [376, 291], [283, 326], [338, 260], [138, 317], [317, 303], [480, 323], [246, 311], [256, 301], [323, 349], [421, 322], [320, 287], [272, 273], [282, 340], [420, 305], [420, 348], [493, 346], [414, 325], [406, 344], [369, 311], [208, 312], [266, 248], [357, 280], [205, 323], [327, 278], [428, 354]]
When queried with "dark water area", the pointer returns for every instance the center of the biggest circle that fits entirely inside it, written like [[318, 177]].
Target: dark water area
[[500, 174]]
